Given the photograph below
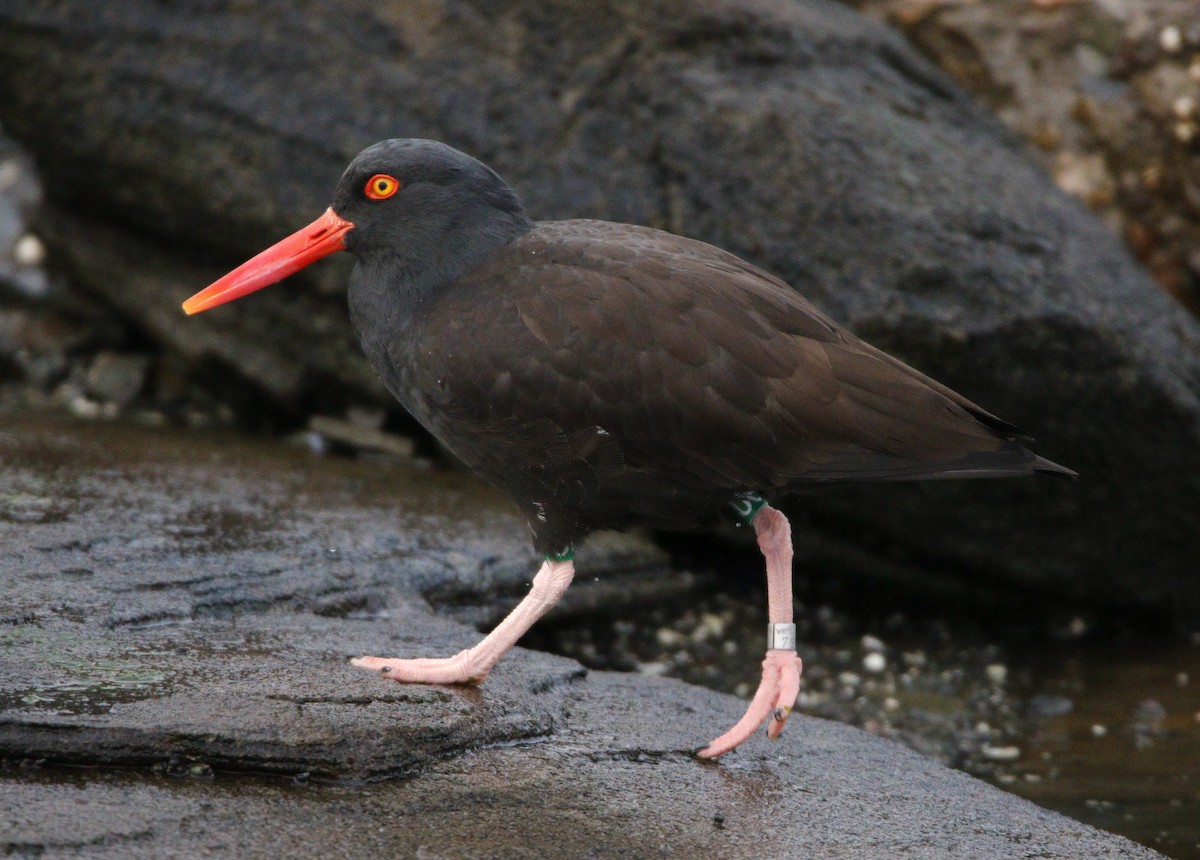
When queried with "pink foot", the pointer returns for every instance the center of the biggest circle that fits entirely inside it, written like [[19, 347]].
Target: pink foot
[[775, 698], [462, 668], [472, 666]]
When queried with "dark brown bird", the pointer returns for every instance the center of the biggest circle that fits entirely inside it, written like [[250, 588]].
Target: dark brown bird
[[605, 375]]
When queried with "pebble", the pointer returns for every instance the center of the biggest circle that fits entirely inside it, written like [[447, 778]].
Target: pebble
[[668, 637], [1099, 731], [1050, 705], [1149, 713], [874, 662], [1170, 39], [28, 251], [116, 377], [997, 673], [994, 753], [654, 669], [81, 407], [871, 643], [711, 626]]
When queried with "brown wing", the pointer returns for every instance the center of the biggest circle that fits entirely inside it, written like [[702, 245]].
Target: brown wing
[[619, 359]]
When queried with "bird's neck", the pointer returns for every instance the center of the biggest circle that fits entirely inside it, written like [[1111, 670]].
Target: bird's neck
[[389, 288]]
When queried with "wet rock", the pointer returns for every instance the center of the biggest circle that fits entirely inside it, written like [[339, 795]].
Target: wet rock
[[184, 606], [117, 378], [1106, 92], [797, 134], [21, 252], [359, 436]]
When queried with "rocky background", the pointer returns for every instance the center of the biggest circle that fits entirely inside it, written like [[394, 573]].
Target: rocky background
[[173, 141], [1029, 241], [1108, 94]]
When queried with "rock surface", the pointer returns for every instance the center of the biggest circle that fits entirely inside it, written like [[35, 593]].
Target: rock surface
[[1107, 92], [183, 608], [800, 135]]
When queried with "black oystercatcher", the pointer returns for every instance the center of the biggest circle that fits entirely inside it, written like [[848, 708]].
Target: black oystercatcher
[[604, 375]]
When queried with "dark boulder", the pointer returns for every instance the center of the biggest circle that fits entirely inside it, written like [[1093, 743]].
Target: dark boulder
[[175, 139]]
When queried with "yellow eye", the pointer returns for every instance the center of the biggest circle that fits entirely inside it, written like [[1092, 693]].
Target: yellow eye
[[381, 186]]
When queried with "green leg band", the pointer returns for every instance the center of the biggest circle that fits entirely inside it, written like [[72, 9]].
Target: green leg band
[[568, 554], [747, 505]]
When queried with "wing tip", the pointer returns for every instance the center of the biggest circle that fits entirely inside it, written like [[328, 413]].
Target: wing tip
[[1054, 470]]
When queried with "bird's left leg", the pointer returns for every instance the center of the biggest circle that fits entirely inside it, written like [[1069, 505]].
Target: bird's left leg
[[780, 684], [472, 666]]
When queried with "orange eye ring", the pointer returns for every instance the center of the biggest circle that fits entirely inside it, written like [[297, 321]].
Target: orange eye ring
[[381, 186]]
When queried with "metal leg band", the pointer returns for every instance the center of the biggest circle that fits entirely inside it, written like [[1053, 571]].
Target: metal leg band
[[781, 636]]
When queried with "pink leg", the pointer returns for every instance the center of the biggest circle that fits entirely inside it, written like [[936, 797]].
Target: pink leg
[[780, 684], [472, 666]]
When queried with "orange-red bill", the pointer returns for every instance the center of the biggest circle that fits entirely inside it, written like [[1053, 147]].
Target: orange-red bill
[[319, 239]]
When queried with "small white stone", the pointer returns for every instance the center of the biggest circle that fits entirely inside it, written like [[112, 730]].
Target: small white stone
[[711, 626], [1184, 106], [1099, 731], [1182, 679], [1009, 753], [982, 728], [871, 643], [10, 172], [874, 662], [997, 673], [1171, 39], [668, 637], [84, 408], [653, 669], [849, 679], [891, 704], [28, 251]]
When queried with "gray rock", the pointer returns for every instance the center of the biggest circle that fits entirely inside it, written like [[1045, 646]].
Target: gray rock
[[176, 613], [798, 134], [116, 377]]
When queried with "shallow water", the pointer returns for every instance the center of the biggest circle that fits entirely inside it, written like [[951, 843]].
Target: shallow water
[[1126, 756], [1097, 721]]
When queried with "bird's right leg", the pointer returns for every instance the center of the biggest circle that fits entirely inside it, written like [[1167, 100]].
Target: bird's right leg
[[472, 666], [780, 684]]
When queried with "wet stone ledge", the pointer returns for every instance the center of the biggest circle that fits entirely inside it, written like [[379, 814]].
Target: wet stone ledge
[[176, 614]]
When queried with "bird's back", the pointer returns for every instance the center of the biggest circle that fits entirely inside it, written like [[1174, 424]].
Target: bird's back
[[615, 372]]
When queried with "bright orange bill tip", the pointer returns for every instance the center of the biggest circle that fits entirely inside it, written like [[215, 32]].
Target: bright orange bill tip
[[304, 247]]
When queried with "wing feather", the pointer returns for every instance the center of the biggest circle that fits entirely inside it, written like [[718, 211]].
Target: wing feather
[[682, 367]]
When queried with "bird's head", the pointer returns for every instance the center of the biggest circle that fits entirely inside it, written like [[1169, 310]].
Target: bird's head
[[417, 202]]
